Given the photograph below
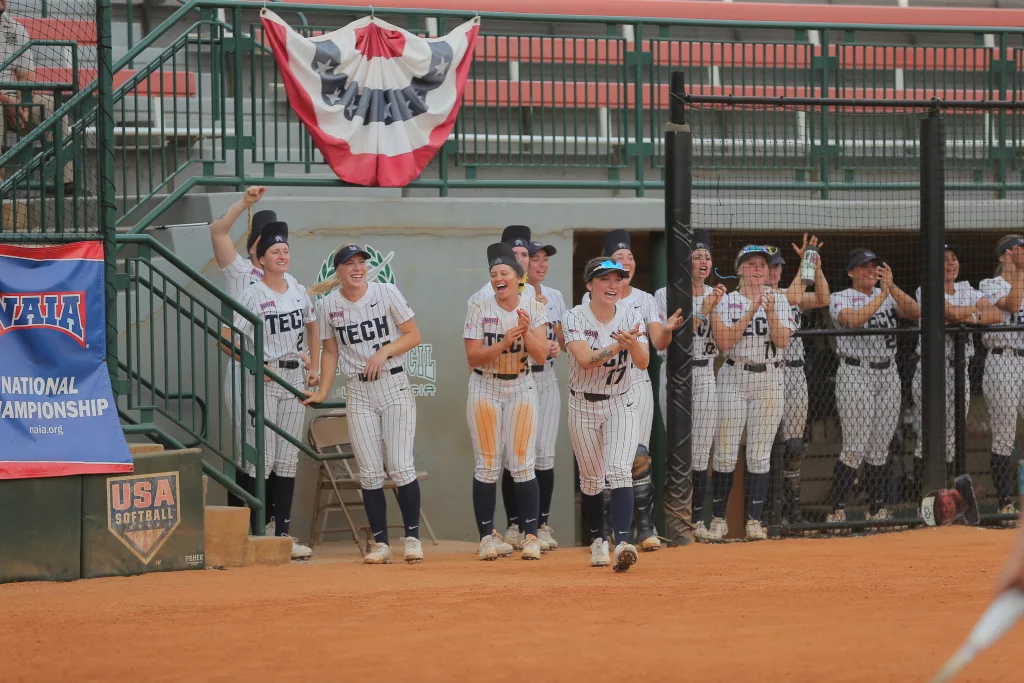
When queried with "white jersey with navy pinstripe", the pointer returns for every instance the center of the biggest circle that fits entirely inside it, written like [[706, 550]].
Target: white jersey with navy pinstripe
[[556, 311], [241, 274], [795, 350], [362, 327], [755, 346], [964, 295], [284, 319], [875, 348], [487, 291], [488, 321], [995, 289], [703, 342], [613, 377]]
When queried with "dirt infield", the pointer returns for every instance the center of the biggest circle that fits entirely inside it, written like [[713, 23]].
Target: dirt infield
[[883, 608]]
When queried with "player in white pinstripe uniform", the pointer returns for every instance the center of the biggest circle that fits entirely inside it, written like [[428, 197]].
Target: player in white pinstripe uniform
[[791, 445], [370, 327], [1003, 381], [868, 392], [750, 325], [503, 336], [239, 273], [288, 319], [548, 397], [618, 247], [604, 339], [704, 398]]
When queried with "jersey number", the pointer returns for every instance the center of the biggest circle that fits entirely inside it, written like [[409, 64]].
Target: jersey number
[[770, 350], [615, 376], [890, 341], [298, 344]]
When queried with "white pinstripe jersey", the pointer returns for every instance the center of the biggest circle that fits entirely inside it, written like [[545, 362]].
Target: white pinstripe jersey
[[284, 319], [362, 327], [795, 350], [556, 311], [241, 274], [876, 347], [995, 289], [612, 378], [963, 295], [488, 321], [755, 346], [487, 292], [703, 342]]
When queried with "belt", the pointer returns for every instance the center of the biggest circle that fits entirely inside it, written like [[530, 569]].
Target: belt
[[1010, 352], [494, 375], [702, 363], [392, 371], [288, 364], [536, 368], [881, 365], [793, 363], [591, 397], [752, 367]]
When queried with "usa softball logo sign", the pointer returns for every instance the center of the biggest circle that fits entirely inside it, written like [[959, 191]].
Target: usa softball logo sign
[[58, 415], [142, 511]]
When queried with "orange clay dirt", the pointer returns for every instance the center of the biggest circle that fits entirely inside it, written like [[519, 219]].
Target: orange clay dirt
[[890, 607]]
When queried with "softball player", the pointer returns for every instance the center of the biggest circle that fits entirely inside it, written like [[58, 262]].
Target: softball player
[[504, 335], [867, 385], [794, 414], [371, 327], [288, 318], [704, 400], [618, 247], [749, 326], [548, 397], [964, 304], [605, 338], [1003, 382]]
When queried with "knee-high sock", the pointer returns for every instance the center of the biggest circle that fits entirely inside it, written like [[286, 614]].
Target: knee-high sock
[[409, 503], [843, 477], [721, 486], [528, 502], [376, 506], [272, 498], [546, 482], [877, 485], [1002, 478], [593, 513], [756, 491], [622, 513], [248, 484], [484, 498], [508, 497], [284, 491], [700, 494]]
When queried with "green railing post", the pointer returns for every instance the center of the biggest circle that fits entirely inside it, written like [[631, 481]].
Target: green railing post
[[105, 190], [236, 78], [824, 148], [258, 421], [1002, 152], [638, 110]]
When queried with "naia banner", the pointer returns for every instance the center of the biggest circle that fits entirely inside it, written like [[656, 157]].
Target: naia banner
[[57, 410], [377, 100]]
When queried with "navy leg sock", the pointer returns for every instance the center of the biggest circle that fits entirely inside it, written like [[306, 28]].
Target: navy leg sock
[[528, 502], [622, 513], [284, 491], [593, 513], [485, 497], [721, 486], [546, 482], [409, 503], [508, 497], [843, 477], [376, 506], [700, 494], [756, 493]]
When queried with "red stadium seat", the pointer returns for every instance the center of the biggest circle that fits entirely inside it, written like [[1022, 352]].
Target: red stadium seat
[[82, 32], [160, 84]]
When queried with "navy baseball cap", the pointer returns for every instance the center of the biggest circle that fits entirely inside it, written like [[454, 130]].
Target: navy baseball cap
[[955, 250], [345, 254], [615, 240], [271, 234], [259, 219], [534, 247], [604, 268], [701, 240], [1008, 243], [750, 251], [501, 254], [776, 259], [859, 257], [516, 235]]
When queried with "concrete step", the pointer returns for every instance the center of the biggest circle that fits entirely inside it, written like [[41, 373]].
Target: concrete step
[[269, 550], [228, 543], [143, 448]]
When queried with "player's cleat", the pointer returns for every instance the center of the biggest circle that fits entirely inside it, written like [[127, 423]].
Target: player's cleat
[[513, 537], [718, 530], [755, 532], [486, 549], [544, 545], [546, 535], [882, 515], [413, 549], [599, 553], [1008, 509], [299, 551], [625, 557], [650, 544], [700, 532], [381, 554], [503, 549], [836, 517], [270, 529], [531, 548]]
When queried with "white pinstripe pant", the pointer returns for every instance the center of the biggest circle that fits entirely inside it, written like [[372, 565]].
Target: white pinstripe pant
[[382, 422], [549, 403], [603, 435], [502, 416], [704, 419], [752, 400], [286, 411], [794, 414]]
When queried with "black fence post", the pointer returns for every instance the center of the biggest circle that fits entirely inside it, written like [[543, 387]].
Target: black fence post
[[933, 247], [679, 294], [960, 389]]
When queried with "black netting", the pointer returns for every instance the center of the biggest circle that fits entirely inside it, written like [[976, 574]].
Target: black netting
[[48, 50]]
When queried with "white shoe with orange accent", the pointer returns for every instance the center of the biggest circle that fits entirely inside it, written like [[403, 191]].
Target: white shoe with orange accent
[[531, 548]]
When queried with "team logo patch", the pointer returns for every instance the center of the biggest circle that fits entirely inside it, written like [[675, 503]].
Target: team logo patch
[[590, 333], [61, 311], [256, 273], [143, 511], [490, 321], [268, 304], [735, 306], [337, 314]]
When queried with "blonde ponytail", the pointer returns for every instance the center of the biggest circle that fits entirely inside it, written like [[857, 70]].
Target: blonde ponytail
[[325, 286]]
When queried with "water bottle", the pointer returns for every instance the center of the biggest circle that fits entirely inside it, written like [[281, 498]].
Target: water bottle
[[809, 266]]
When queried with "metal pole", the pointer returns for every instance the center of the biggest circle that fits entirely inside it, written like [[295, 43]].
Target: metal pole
[[933, 240], [959, 394], [679, 236]]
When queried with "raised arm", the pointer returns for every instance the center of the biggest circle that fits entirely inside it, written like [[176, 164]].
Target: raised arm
[[778, 328], [906, 305], [1015, 273], [223, 247]]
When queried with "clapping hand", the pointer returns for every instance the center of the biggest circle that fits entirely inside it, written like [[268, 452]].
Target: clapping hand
[[628, 340]]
